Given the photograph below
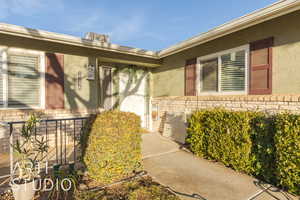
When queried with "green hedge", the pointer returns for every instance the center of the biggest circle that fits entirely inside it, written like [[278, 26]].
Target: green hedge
[[113, 149], [267, 147], [222, 136], [287, 142], [263, 147]]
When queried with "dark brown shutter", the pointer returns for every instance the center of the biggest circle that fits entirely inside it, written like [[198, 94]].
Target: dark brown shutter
[[190, 77], [261, 67], [54, 81]]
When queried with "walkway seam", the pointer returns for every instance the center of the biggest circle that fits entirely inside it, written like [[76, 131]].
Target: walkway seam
[[258, 193], [160, 154]]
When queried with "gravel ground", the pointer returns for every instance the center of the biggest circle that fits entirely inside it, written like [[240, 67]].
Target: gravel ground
[[6, 196]]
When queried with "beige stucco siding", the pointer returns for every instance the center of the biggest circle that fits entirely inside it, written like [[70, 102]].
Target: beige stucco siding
[[286, 70], [168, 82], [87, 95], [169, 79]]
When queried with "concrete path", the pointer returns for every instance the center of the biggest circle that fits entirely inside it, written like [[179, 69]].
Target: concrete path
[[195, 178]]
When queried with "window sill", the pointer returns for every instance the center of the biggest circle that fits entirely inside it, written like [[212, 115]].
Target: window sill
[[22, 108], [221, 93]]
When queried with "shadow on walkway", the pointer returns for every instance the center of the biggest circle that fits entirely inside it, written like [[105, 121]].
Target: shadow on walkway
[[268, 191]]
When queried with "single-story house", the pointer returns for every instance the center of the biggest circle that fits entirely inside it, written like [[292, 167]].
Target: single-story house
[[252, 62]]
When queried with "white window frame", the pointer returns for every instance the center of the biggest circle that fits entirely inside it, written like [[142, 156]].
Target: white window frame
[[101, 78], [218, 55], [5, 51]]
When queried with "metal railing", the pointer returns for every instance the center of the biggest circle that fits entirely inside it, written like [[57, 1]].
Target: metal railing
[[62, 137]]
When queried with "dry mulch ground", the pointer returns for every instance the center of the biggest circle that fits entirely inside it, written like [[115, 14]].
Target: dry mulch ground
[[141, 188], [6, 196]]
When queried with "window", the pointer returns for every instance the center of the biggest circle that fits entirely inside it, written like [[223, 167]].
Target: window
[[20, 79], [233, 71], [209, 76], [224, 72]]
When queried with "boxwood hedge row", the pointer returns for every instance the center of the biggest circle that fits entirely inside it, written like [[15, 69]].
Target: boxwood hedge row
[[267, 147]]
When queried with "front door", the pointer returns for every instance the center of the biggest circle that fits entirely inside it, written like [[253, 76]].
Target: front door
[[133, 93]]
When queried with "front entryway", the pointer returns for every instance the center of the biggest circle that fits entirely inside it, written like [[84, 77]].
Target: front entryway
[[133, 89]]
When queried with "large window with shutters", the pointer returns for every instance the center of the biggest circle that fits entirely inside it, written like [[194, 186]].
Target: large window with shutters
[[21, 79], [225, 72]]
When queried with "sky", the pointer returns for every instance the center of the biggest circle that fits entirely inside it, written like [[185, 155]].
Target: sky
[[147, 24]]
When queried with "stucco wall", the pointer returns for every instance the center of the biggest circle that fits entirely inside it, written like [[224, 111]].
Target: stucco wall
[[87, 95], [169, 79]]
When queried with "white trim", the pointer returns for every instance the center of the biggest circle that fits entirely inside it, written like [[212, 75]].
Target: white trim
[[101, 79], [247, 71], [198, 75], [5, 51], [219, 73], [218, 55], [43, 79], [5, 77]]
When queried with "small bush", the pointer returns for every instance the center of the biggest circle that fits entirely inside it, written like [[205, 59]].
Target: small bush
[[287, 142], [113, 147]]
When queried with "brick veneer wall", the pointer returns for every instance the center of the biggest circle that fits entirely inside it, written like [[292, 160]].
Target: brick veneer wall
[[169, 113], [22, 115]]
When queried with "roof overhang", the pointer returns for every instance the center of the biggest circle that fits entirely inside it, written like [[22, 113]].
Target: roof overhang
[[275, 10], [72, 40], [122, 61]]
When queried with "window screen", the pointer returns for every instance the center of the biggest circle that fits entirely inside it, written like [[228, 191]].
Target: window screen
[[23, 81], [233, 71], [210, 76]]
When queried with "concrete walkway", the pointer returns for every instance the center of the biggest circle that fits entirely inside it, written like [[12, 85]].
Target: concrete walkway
[[195, 178]]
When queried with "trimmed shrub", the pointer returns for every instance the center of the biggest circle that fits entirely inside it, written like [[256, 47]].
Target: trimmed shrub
[[267, 147], [113, 147], [223, 136], [263, 148], [287, 142]]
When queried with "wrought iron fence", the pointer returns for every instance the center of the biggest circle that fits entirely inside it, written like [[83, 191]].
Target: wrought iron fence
[[61, 135]]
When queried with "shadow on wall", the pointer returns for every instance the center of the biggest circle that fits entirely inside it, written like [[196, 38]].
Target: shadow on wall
[[57, 80], [175, 127], [75, 96], [75, 88], [135, 78]]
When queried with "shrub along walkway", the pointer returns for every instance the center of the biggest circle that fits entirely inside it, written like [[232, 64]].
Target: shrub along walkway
[[195, 178]]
